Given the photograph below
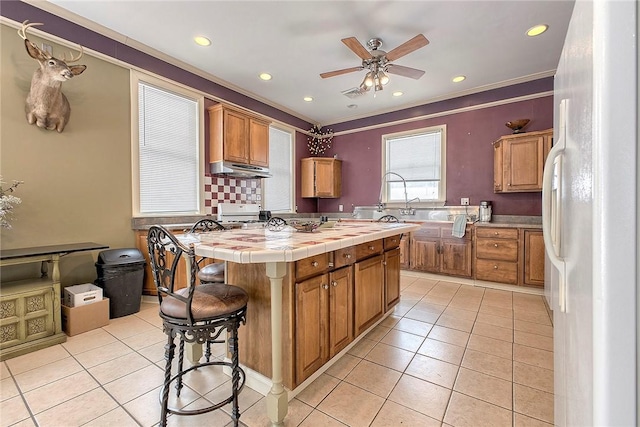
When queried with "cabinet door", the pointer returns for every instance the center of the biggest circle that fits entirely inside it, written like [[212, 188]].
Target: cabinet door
[[368, 293], [236, 137], [392, 278], [311, 326], [456, 257], [405, 251], [258, 143], [523, 164], [340, 309], [533, 258], [328, 178], [497, 167], [424, 255]]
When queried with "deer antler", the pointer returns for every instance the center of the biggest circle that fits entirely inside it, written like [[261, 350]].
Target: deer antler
[[22, 32], [73, 59]]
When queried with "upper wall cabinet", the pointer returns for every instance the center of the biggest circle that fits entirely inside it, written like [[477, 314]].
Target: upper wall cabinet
[[237, 136], [321, 177], [518, 161]]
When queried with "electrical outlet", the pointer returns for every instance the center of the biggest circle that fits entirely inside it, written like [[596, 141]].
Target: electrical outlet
[[464, 201], [340, 208]]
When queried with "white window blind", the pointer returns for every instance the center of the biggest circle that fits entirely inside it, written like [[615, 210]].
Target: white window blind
[[278, 190], [418, 158], [168, 152]]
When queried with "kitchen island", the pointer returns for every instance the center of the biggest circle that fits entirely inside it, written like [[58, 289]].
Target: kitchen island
[[310, 294]]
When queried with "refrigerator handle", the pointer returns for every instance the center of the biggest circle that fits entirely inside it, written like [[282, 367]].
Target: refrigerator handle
[[552, 206]]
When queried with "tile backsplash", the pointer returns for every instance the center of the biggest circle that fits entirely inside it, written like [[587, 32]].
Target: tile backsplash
[[229, 190]]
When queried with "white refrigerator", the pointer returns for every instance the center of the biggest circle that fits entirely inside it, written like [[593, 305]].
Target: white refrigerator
[[590, 218]]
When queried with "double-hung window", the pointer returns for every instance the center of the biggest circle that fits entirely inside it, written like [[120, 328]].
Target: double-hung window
[[279, 189], [168, 150], [414, 166]]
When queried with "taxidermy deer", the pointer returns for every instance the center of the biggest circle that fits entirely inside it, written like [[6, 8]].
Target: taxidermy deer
[[46, 105]]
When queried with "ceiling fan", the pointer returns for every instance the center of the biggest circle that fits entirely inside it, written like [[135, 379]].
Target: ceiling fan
[[379, 62]]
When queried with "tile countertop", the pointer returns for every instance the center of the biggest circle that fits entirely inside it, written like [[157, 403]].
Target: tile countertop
[[262, 245]]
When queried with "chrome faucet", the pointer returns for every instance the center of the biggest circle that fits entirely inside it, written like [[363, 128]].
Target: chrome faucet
[[407, 210]]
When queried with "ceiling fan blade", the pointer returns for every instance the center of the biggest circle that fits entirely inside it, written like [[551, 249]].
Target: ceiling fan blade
[[339, 72], [357, 48], [404, 71], [407, 47]]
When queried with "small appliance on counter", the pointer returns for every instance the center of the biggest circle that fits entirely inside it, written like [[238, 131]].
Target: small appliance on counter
[[485, 211], [245, 215]]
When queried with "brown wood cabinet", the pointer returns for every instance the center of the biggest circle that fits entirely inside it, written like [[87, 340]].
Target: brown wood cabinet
[[312, 325], [513, 256], [435, 250], [391, 278], [497, 255], [519, 161], [368, 293], [328, 300], [405, 251], [533, 253], [321, 177], [237, 136]]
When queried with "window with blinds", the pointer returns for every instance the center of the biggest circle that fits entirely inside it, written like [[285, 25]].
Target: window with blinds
[[168, 151], [418, 157], [278, 190]]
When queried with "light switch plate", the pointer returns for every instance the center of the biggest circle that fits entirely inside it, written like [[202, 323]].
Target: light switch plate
[[464, 201]]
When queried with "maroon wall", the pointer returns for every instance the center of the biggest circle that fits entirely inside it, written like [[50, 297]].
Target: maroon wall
[[469, 157]]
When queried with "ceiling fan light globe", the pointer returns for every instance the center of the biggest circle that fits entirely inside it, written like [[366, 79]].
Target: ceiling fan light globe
[[384, 79], [368, 80]]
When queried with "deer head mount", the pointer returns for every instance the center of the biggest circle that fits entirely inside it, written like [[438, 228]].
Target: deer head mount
[[46, 105]]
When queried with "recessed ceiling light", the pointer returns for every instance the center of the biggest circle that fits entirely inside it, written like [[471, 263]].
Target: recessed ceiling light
[[202, 41], [308, 98], [537, 30], [265, 76], [352, 106], [458, 79], [398, 93]]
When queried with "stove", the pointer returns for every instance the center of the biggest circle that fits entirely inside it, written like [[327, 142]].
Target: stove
[[239, 215]]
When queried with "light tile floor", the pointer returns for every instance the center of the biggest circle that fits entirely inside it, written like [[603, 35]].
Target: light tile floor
[[450, 355]]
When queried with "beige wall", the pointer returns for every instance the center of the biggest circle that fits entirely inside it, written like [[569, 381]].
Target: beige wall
[[77, 184]]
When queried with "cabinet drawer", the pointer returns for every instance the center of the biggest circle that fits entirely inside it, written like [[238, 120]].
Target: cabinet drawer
[[497, 233], [311, 266], [505, 250], [497, 271], [391, 242], [344, 256], [364, 250]]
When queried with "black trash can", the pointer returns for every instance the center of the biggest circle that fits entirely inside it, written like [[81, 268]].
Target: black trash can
[[121, 276]]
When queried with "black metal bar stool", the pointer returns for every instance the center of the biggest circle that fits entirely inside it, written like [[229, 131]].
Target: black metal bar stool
[[388, 218], [214, 272], [197, 314]]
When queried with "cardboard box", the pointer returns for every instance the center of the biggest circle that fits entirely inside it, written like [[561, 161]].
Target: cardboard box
[[77, 295], [76, 320]]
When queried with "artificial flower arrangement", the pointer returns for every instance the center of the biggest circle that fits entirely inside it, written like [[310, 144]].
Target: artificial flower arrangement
[[319, 141], [8, 202]]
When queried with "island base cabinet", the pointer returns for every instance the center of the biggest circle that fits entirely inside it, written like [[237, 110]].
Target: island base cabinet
[[392, 278], [340, 309], [312, 326], [368, 293]]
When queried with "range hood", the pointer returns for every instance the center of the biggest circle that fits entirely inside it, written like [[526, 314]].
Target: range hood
[[238, 170]]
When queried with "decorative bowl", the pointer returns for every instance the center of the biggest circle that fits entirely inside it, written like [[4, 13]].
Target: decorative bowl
[[305, 227], [517, 125]]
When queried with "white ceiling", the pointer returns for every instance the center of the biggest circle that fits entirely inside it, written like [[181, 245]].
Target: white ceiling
[[295, 41]]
